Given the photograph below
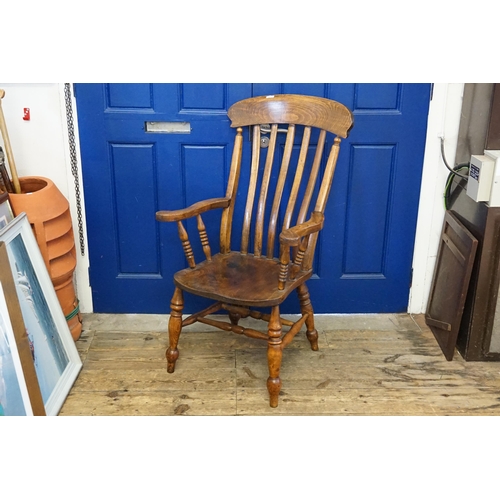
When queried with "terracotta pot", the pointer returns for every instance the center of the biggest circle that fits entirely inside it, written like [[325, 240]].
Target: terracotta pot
[[48, 213]]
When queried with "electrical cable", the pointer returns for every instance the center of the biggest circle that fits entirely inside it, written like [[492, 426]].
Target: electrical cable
[[449, 181], [446, 163]]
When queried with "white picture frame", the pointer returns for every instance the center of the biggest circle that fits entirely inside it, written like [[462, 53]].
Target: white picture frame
[[19, 390], [14, 396], [56, 359]]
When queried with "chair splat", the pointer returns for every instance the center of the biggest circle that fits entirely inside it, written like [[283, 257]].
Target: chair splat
[[263, 192], [271, 233], [298, 178], [306, 201], [251, 189]]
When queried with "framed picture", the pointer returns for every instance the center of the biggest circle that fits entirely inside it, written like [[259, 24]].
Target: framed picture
[[6, 214], [19, 391], [54, 353]]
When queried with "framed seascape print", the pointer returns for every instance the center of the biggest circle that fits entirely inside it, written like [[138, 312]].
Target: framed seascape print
[[19, 390], [54, 353], [5, 210]]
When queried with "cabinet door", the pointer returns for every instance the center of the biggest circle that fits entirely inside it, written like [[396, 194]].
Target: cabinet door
[[457, 250]]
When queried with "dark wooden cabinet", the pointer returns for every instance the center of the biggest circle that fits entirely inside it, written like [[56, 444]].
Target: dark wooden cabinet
[[479, 335]]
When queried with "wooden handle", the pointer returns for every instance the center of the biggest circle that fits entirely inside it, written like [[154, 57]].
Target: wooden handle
[[8, 150]]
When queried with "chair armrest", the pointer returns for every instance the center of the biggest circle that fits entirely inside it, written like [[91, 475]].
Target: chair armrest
[[195, 209], [292, 236]]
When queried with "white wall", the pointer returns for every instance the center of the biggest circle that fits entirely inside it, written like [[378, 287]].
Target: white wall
[[444, 120], [40, 147]]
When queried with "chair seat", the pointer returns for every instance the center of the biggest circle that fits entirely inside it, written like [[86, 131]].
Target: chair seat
[[236, 278]]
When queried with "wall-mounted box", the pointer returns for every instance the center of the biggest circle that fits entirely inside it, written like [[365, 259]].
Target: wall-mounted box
[[480, 177]]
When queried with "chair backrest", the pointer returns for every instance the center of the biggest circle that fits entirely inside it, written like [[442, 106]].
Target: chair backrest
[[265, 117]]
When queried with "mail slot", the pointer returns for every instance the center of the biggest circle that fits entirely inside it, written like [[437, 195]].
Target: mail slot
[[168, 127]]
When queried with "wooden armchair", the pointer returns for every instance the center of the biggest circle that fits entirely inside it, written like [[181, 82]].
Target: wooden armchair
[[238, 281]]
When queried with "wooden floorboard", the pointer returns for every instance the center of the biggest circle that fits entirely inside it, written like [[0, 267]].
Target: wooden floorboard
[[366, 365]]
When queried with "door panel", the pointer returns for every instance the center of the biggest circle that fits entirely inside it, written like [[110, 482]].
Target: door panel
[[364, 253], [131, 210], [367, 210], [377, 97]]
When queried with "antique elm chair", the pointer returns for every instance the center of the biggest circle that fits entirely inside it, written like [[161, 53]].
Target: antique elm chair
[[240, 280]]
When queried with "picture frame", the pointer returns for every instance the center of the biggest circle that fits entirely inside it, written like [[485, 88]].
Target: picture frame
[[14, 397], [56, 359], [6, 214], [19, 390]]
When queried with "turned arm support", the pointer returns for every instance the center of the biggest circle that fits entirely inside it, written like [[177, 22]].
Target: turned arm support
[[297, 236], [292, 237], [195, 209]]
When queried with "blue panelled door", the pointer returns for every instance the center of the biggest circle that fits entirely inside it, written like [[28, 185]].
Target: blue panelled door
[[364, 255]]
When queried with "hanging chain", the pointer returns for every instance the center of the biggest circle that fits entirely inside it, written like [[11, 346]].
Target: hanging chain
[[74, 163]]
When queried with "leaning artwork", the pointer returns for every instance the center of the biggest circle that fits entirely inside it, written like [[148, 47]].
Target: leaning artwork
[[14, 397], [54, 354]]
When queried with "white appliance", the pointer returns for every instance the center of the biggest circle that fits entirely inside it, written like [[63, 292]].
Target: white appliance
[[484, 178]]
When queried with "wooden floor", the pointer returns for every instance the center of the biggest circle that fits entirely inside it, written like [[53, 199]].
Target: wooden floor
[[366, 365]]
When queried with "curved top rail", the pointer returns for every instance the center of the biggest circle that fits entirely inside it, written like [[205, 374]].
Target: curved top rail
[[290, 108]]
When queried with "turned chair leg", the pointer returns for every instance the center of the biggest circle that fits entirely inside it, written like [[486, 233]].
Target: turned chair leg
[[274, 355], [306, 307], [174, 328]]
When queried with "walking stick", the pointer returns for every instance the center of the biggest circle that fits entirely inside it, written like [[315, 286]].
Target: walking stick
[[8, 150]]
